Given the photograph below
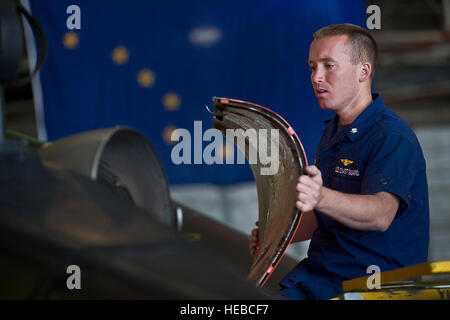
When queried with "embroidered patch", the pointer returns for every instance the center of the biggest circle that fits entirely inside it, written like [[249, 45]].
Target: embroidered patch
[[354, 130], [346, 162], [347, 172]]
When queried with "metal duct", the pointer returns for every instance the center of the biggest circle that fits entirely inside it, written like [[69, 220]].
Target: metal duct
[[123, 159]]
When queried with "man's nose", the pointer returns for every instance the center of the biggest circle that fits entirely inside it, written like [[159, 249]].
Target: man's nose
[[317, 76]]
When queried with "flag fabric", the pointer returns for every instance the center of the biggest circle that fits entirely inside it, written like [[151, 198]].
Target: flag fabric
[[155, 65]]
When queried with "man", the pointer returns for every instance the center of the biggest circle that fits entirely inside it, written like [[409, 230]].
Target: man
[[365, 201]]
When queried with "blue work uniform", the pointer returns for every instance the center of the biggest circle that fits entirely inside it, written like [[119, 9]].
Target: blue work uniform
[[377, 152]]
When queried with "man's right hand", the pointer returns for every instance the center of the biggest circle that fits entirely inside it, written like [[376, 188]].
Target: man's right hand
[[253, 240]]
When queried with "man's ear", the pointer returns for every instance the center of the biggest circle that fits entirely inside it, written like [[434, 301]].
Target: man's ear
[[365, 71]]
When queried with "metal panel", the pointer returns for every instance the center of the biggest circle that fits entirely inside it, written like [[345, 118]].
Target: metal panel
[[278, 215]]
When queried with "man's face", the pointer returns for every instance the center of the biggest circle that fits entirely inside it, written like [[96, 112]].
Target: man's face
[[334, 78]]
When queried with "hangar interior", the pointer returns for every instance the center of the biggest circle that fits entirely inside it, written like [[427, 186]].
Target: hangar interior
[[414, 77]]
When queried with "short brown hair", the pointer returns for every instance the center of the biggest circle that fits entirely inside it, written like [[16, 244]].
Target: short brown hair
[[363, 46]]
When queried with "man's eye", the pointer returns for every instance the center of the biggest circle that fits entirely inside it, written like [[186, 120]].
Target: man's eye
[[312, 68], [330, 66]]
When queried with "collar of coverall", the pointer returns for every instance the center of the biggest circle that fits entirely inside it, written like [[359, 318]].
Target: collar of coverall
[[363, 121]]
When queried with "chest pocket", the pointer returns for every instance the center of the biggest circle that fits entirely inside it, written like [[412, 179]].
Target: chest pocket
[[345, 176]]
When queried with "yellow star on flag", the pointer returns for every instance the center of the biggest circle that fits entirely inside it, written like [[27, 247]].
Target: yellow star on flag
[[71, 40], [167, 134], [146, 78], [120, 55], [171, 101]]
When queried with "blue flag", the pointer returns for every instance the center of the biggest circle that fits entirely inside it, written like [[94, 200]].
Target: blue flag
[[154, 66]]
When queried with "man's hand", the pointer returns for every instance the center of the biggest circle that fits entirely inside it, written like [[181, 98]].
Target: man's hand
[[309, 189], [253, 240]]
